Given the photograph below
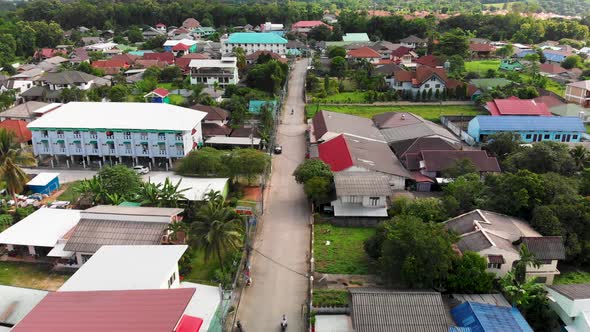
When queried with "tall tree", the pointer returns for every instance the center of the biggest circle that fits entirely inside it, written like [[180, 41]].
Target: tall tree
[[527, 258], [469, 275], [11, 156]]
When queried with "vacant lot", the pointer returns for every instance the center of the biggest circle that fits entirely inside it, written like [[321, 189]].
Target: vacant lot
[[31, 275], [331, 298], [482, 66], [577, 277], [345, 253], [429, 112]]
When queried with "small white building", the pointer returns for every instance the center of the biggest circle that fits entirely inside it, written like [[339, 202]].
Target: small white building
[[36, 235], [361, 194], [251, 42], [101, 47], [572, 305], [222, 71], [197, 187], [21, 82], [128, 268], [140, 131]]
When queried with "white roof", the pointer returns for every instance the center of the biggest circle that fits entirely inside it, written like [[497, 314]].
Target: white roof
[[17, 302], [184, 41], [233, 140], [42, 228], [341, 210], [47, 108], [139, 116], [333, 323], [126, 268], [102, 46], [204, 302], [197, 187], [228, 62], [42, 179]]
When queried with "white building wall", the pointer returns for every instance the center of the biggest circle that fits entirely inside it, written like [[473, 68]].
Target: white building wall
[[175, 283], [250, 48], [509, 258]]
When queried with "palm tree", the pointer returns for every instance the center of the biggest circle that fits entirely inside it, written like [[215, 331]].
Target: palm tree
[[217, 230], [580, 155], [527, 259], [177, 231], [149, 194], [215, 197], [170, 193], [241, 58], [520, 293], [197, 94], [11, 156], [92, 189]]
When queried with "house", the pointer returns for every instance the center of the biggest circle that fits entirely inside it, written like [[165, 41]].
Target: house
[[116, 225], [551, 69], [413, 42], [111, 310], [180, 47], [364, 53], [351, 38], [272, 27], [515, 106], [252, 42], [488, 317], [578, 93], [498, 238], [326, 125], [404, 56], [430, 61], [79, 55], [23, 81], [158, 95], [204, 32], [398, 310], [28, 111], [296, 48], [184, 61], [128, 267], [196, 188], [70, 79], [128, 58], [511, 65], [569, 110], [45, 53], [167, 57], [215, 122], [44, 183], [349, 153], [19, 129], [161, 27], [16, 303], [388, 71], [110, 67], [572, 305], [33, 238], [361, 194], [135, 131], [190, 23], [213, 72], [434, 163], [403, 128], [306, 26], [477, 50], [423, 79], [101, 47], [530, 128], [556, 56], [253, 58]]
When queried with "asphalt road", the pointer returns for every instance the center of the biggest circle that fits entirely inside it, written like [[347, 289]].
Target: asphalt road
[[281, 250]]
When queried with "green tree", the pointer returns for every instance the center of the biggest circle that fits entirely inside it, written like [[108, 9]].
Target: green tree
[[11, 156], [336, 51], [464, 194], [527, 259], [119, 179], [469, 275], [241, 58], [461, 167], [319, 33], [543, 157], [338, 66], [502, 144], [311, 168], [454, 42], [456, 65], [170, 73], [207, 161], [248, 163], [416, 253], [505, 51], [91, 191], [427, 209], [118, 93], [572, 61], [317, 189], [7, 48], [25, 39], [546, 222], [581, 156], [268, 77]]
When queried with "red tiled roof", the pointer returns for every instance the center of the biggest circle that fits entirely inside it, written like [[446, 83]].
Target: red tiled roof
[[308, 24], [430, 61], [149, 63], [419, 177], [189, 324], [167, 57], [401, 51], [154, 310], [517, 107], [127, 58], [440, 160], [364, 52], [214, 113], [551, 68], [161, 92], [421, 74], [335, 153], [194, 56], [46, 53], [109, 64], [180, 47], [481, 47], [191, 23], [19, 128]]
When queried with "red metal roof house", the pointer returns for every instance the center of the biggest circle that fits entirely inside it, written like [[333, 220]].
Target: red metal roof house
[[515, 106]]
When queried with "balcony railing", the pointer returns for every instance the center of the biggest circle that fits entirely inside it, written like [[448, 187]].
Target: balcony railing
[[95, 151], [128, 151], [62, 150], [77, 136], [162, 152], [112, 151], [78, 150], [93, 136], [178, 138], [126, 136], [111, 136], [143, 137], [60, 135]]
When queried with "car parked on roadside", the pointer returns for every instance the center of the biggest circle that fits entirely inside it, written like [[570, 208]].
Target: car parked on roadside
[[140, 169]]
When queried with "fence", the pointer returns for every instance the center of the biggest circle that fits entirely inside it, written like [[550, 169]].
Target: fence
[[455, 124]]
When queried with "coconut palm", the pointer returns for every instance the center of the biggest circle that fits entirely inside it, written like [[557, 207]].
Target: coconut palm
[[215, 197], [92, 190], [527, 259], [217, 230], [580, 155], [177, 231], [11, 156]]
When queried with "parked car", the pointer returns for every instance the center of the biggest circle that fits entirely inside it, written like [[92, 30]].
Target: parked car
[[139, 169], [278, 149]]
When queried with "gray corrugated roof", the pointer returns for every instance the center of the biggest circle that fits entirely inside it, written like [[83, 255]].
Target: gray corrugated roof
[[545, 247], [24, 110], [135, 210], [375, 155], [339, 123], [375, 310], [361, 184], [573, 291], [68, 77], [426, 128], [91, 234], [494, 299]]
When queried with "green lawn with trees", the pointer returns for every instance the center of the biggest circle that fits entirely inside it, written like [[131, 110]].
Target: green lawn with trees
[[331, 298], [482, 66], [429, 112], [575, 277], [344, 254], [31, 275]]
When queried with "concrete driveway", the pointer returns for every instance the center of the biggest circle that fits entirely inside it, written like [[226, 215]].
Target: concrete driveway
[[281, 250]]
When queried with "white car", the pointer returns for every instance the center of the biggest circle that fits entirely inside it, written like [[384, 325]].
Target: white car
[[139, 169]]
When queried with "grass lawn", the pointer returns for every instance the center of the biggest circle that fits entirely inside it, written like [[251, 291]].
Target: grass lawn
[[573, 278], [31, 275], [331, 298], [167, 86], [176, 99], [202, 272], [429, 112], [68, 194], [482, 66], [345, 254], [346, 97], [587, 125]]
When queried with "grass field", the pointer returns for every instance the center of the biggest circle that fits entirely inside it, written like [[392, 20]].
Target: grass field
[[31, 275], [331, 298], [346, 97], [429, 112], [482, 66], [69, 194], [345, 254], [573, 278], [202, 272]]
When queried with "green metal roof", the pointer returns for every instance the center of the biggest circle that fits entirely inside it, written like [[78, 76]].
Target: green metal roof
[[132, 204], [255, 38], [254, 106], [356, 37]]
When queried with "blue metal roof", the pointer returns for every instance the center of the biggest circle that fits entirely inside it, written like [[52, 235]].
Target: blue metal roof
[[523, 53], [550, 56], [255, 106], [529, 123], [489, 318], [255, 38]]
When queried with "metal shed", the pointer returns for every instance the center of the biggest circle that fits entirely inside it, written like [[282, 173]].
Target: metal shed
[[44, 183]]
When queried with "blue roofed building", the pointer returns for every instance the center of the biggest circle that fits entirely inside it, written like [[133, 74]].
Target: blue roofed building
[[252, 42], [480, 317], [523, 53], [555, 56], [255, 106], [530, 128]]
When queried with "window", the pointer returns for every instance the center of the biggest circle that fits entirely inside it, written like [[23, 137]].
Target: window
[[433, 78], [427, 86], [494, 265], [127, 135], [162, 136], [528, 136], [171, 280], [437, 86], [373, 201], [77, 134], [575, 137], [557, 136], [44, 133], [546, 136], [110, 134]]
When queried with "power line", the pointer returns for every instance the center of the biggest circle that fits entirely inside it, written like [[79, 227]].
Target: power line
[[280, 264]]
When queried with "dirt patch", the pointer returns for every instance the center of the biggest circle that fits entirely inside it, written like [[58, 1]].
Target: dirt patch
[[251, 194]]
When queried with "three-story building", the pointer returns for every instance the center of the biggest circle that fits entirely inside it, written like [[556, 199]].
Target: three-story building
[[251, 42], [137, 132]]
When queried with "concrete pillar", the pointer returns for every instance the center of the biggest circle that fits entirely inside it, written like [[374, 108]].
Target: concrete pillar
[[9, 247], [88, 159], [32, 250], [120, 159]]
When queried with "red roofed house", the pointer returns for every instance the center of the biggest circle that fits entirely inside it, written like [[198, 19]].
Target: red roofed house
[[515, 106], [45, 53], [19, 128], [167, 57], [191, 23], [423, 79], [306, 26], [430, 61], [161, 27], [159, 96], [153, 310], [127, 58], [366, 53], [185, 60], [180, 49], [481, 50], [405, 56], [110, 67]]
